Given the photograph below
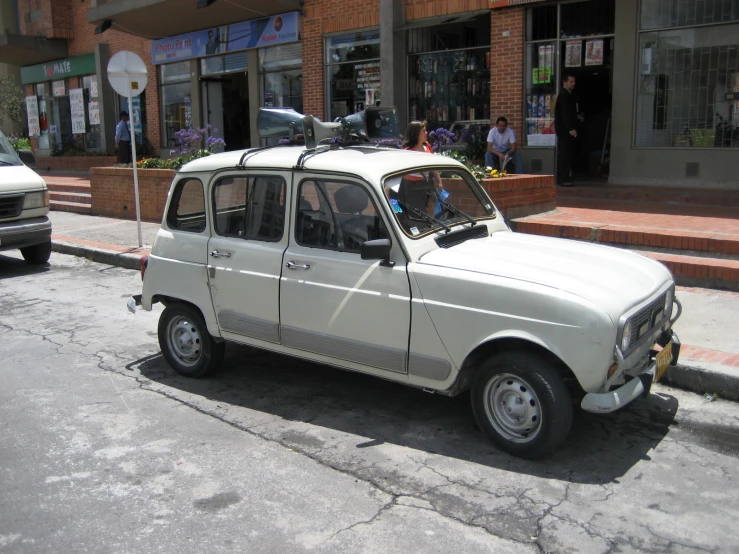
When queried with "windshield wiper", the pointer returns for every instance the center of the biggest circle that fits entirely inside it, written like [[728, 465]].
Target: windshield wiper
[[453, 208], [3, 162], [426, 217]]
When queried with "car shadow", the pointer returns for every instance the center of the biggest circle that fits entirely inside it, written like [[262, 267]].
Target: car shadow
[[11, 267], [600, 448]]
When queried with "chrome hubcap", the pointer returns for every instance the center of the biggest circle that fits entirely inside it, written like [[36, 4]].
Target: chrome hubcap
[[184, 339], [513, 408]]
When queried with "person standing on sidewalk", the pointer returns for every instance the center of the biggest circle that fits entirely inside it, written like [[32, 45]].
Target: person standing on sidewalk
[[565, 122], [123, 139]]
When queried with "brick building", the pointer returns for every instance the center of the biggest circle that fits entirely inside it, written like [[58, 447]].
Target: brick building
[[656, 78]]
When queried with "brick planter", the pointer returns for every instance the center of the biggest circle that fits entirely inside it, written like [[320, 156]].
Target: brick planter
[[74, 163], [112, 195], [522, 195]]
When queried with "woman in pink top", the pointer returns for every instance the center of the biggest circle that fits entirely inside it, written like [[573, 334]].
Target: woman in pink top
[[416, 138]]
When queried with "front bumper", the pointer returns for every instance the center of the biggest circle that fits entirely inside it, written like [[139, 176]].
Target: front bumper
[[636, 387], [24, 232]]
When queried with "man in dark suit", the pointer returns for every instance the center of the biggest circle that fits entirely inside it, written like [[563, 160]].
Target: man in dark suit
[[565, 122]]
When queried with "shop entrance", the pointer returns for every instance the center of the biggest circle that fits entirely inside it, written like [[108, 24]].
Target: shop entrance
[[225, 100]]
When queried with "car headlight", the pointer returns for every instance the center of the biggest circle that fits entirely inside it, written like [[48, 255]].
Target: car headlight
[[668, 303], [36, 200], [626, 337]]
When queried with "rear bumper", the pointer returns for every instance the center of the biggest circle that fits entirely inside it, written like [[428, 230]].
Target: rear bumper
[[24, 232], [640, 385]]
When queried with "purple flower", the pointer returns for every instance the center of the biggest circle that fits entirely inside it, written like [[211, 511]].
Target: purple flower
[[441, 137]]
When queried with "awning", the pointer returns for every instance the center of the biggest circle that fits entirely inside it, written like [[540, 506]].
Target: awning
[[26, 49], [155, 19]]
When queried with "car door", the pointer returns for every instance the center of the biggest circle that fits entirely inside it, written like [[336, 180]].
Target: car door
[[245, 253], [332, 302]]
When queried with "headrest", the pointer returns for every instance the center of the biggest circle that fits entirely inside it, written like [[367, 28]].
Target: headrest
[[351, 199], [305, 206]]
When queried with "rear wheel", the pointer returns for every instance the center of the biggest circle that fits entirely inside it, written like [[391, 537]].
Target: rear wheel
[[521, 403], [186, 343], [37, 254]]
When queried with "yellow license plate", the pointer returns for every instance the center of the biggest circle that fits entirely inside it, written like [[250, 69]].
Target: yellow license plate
[[663, 361]]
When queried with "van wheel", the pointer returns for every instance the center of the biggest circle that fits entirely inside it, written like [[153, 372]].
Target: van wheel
[[522, 405], [185, 342], [37, 254]]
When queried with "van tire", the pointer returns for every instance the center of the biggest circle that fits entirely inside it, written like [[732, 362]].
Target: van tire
[[37, 254], [186, 343]]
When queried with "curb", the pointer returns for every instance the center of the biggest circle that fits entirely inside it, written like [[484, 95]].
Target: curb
[[703, 380], [118, 259]]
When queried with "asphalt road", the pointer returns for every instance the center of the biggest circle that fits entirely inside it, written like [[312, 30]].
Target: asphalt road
[[103, 448]]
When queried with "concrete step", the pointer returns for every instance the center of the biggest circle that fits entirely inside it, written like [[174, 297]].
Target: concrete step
[[707, 243], [75, 197], [76, 207], [651, 195], [65, 187]]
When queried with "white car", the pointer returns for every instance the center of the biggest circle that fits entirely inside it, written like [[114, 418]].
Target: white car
[[24, 207], [350, 256]]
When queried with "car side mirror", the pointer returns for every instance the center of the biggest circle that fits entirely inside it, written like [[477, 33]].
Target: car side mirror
[[26, 156], [378, 249]]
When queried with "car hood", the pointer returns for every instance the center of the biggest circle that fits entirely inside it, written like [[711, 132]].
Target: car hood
[[19, 178], [612, 278]]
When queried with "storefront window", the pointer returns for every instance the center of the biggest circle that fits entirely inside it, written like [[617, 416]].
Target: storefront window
[[450, 73], [175, 94], [282, 77], [224, 64], [688, 77], [353, 72], [576, 39]]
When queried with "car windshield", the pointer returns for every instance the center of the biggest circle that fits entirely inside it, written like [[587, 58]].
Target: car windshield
[[436, 199], [7, 154]]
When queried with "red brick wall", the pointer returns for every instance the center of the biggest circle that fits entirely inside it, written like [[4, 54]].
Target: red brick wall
[[522, 195], [506, 67], [112, 194], [420, 9], [76, 163]]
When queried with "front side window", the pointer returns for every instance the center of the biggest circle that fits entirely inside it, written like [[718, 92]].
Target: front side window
[[336, 216], [422, 207], [250, 207], [187, 208]]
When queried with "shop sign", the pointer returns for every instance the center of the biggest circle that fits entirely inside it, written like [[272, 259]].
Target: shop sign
[[277, 29], [34, 128], [57, 88], [505, 3], [77, 109], [93, 110], [69, 67]]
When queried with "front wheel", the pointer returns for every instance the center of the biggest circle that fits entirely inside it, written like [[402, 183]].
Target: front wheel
[[521, 403], [186, 343], [37, 254]]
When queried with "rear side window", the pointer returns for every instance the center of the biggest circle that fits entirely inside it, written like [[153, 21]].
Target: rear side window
[[187, 209], [250, 207]]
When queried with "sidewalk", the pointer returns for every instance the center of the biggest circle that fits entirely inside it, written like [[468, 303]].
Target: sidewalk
[[709, 359]]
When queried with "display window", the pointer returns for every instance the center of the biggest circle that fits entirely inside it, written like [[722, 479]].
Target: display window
[[282, 77], [353, 72], [449, 73], [175, 92], [688, 74]]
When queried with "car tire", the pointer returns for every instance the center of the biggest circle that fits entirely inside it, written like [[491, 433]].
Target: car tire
[[37, 254], [185, 342], [522, 404]]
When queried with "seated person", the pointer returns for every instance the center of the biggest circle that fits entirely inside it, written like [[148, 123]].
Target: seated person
[[502, 143]]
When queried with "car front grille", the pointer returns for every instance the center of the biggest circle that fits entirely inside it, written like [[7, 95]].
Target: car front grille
[[647, 318], [11, 205]]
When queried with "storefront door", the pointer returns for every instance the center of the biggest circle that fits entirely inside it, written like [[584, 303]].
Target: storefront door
[[226, 108]]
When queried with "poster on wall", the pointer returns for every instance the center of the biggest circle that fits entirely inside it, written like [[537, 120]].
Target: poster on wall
[[188, 112], [93, 110], [594, 52], [367, 82], [34, 129], [546, 55], [138, 126], [57, 88], [369, 97], [43, 119], [573, 53], [77, 109]]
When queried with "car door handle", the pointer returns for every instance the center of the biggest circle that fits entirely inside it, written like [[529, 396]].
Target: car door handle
[[217, 254], [301, 267]]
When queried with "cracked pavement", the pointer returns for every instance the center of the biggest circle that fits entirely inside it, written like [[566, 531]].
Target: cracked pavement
[[104, 448]]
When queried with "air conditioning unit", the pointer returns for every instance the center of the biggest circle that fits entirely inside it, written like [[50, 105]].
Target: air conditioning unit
[[647, 61]]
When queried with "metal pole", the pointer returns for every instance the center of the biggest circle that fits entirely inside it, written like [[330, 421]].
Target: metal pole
[[132, 133]]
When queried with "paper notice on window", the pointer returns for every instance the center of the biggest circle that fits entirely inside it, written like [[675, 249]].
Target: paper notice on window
[[594, 52], [94, 86], [573, 53], [93, 110], [77, 109], [541, 140], [57, 88], [34, 127]]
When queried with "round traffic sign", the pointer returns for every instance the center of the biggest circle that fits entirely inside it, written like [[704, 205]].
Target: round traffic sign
[[127, 73]]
